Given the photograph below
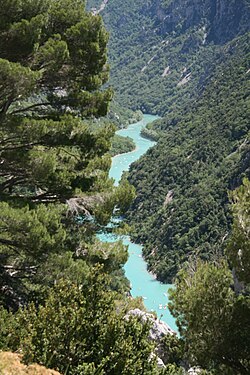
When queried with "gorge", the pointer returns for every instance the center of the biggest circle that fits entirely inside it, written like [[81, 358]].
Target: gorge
[[188, 61], [72, 74], [143, 283]]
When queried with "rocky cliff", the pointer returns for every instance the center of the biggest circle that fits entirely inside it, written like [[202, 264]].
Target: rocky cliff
[[222, 19], [161, 50]]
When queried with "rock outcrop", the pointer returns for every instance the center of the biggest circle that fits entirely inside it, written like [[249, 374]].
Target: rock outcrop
[[223, 19], [157, 333]]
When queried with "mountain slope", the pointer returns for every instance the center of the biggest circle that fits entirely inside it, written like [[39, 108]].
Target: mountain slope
[[161, 50], [186, 60], [182, 206]]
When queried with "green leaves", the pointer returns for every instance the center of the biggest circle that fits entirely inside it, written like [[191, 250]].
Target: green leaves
[[63, 14], [28, 238], [51, 57], [239, 245], [79, 329], [211, 307], [204, 296], [111, 255], [21, 40], [30, 232], [212, 319], [16, 82], [87, 42]]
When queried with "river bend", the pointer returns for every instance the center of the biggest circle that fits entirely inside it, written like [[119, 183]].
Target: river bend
[[142, 282]]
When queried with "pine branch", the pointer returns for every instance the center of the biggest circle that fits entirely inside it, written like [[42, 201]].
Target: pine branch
[[30, 107]]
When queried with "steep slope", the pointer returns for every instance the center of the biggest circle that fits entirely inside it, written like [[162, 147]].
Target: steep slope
[[161, 50], [182, 205], [186, 60]]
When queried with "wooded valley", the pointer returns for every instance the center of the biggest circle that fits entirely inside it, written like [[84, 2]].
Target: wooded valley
[[71, 73]]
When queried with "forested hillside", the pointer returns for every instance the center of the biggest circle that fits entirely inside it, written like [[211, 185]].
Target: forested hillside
[[160, 51], [190, 59], [182, 183]]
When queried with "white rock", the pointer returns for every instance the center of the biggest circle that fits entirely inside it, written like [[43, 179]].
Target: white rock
[[158, 329]]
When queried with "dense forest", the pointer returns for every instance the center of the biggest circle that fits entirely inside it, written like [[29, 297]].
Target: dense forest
[[182, 184], [191, 61], [160, 51], [65, 301]]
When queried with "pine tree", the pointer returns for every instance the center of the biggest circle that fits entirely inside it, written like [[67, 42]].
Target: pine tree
[[54, 163], [211, 308]]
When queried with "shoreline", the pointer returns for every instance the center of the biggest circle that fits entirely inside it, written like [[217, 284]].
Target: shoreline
[[144, 282]]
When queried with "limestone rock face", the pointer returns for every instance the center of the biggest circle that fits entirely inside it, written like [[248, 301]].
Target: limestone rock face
[[159, 329], [194, 371], [157, 332], [224, 19]]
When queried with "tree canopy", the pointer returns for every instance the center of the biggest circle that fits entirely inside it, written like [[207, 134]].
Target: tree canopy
[[212, 310], [54, 163], [52, 64]]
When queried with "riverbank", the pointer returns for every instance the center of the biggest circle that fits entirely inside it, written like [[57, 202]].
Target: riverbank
[[122, 145], [143, 283]]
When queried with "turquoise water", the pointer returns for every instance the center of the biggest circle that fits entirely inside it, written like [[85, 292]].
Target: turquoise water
[[121, 163], [142, 282]]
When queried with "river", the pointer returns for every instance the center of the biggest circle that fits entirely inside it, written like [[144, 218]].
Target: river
[[142, 282]]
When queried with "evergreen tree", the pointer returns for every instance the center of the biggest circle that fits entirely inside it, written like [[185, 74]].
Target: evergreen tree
[[54, 165], [212, 310], [80, 330], [239, 246]]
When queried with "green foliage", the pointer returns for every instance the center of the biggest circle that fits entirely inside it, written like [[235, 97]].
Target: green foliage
[[79, 329], [121, 145], [181, 184], [211, 318], [54, 162], [8, 324], [239, 245], [203, 288], [212, 311], [62, 67], [173, 349], [125, 194], [28, 238], [172, 370], [111, 255]]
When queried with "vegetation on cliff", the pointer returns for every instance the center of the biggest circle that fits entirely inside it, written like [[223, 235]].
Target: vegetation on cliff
[[182, 205], [63, 293], [160, 51], [211, 300], [64, 297], [190, 59]]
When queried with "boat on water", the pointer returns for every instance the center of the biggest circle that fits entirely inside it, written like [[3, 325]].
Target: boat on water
[[161, 306]]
